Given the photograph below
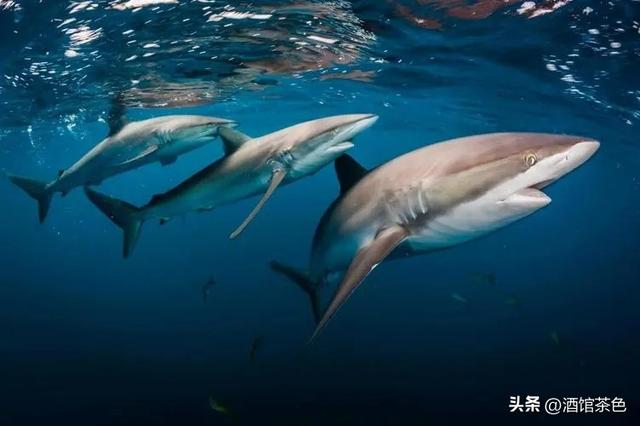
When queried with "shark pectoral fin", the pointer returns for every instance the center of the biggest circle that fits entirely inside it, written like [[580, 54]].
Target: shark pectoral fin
[[276, 179], [165, 161], [232, 139], [148, 151], [367, 258]]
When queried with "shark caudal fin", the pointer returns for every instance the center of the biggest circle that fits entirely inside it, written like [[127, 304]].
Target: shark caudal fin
[[122, 214], [304, 282], [36, 189]]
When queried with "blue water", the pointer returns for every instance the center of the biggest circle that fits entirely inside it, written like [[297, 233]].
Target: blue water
[[91, 339]]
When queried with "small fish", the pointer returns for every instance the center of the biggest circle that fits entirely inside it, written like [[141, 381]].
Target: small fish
[[512, 300], [490, 279], [206, 288], [486, 277], [255, 347], [555, 337], [458, 298], [217, 406]]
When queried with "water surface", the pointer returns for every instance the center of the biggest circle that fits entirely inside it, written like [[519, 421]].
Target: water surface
[[91, 339]]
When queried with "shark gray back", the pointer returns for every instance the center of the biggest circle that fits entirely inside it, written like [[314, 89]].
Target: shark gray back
[[251, 166], [436, 197], [129, 145]]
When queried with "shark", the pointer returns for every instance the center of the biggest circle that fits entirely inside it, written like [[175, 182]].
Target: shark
[[250, 166], [128, 145], [429, 199]]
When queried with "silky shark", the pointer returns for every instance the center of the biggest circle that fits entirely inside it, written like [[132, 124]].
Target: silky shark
[[249, 167], [429, 199], [126, 147]]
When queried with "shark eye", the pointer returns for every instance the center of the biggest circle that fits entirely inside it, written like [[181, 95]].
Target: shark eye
[[530, 159]]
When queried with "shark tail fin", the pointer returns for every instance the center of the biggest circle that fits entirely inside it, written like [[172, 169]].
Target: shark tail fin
[[123, 214], [305, 283], [36, 189]]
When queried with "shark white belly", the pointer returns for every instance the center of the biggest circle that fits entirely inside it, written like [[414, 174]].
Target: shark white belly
[[435, 197]]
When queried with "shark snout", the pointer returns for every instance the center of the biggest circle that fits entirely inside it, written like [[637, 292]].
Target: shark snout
[[355, 124], [575, 156], [364, 121], [582, 151]]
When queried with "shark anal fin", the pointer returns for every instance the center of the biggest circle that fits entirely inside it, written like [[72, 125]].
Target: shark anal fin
[[232, 139], [276, 179], [165, 161], [367, 258], [147, 151], [349, 172]]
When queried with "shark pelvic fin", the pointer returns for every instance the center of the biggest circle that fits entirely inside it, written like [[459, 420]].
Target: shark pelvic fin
[[302, 280], [37, 190], [122, 214], [349, 172], [232, 139], [365, 260], [147, 151], [276, 179]]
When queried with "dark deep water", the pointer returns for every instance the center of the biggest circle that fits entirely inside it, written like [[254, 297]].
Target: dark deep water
[[547, 306]]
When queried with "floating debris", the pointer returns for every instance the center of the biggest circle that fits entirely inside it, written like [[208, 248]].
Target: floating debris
[[256, 345], [206, 288], [218, 406], [512, 300], [485, 277], [458, 298]]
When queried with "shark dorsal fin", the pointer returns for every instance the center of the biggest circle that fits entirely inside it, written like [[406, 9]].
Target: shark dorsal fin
[[232, 139], [349, 172], [116, 117]]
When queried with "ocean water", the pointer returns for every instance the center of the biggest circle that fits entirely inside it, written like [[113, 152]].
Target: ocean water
[[547, 306]]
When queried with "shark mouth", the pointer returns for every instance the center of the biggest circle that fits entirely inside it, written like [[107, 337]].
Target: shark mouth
[[340, 147], [530, 197], [543, 184]]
